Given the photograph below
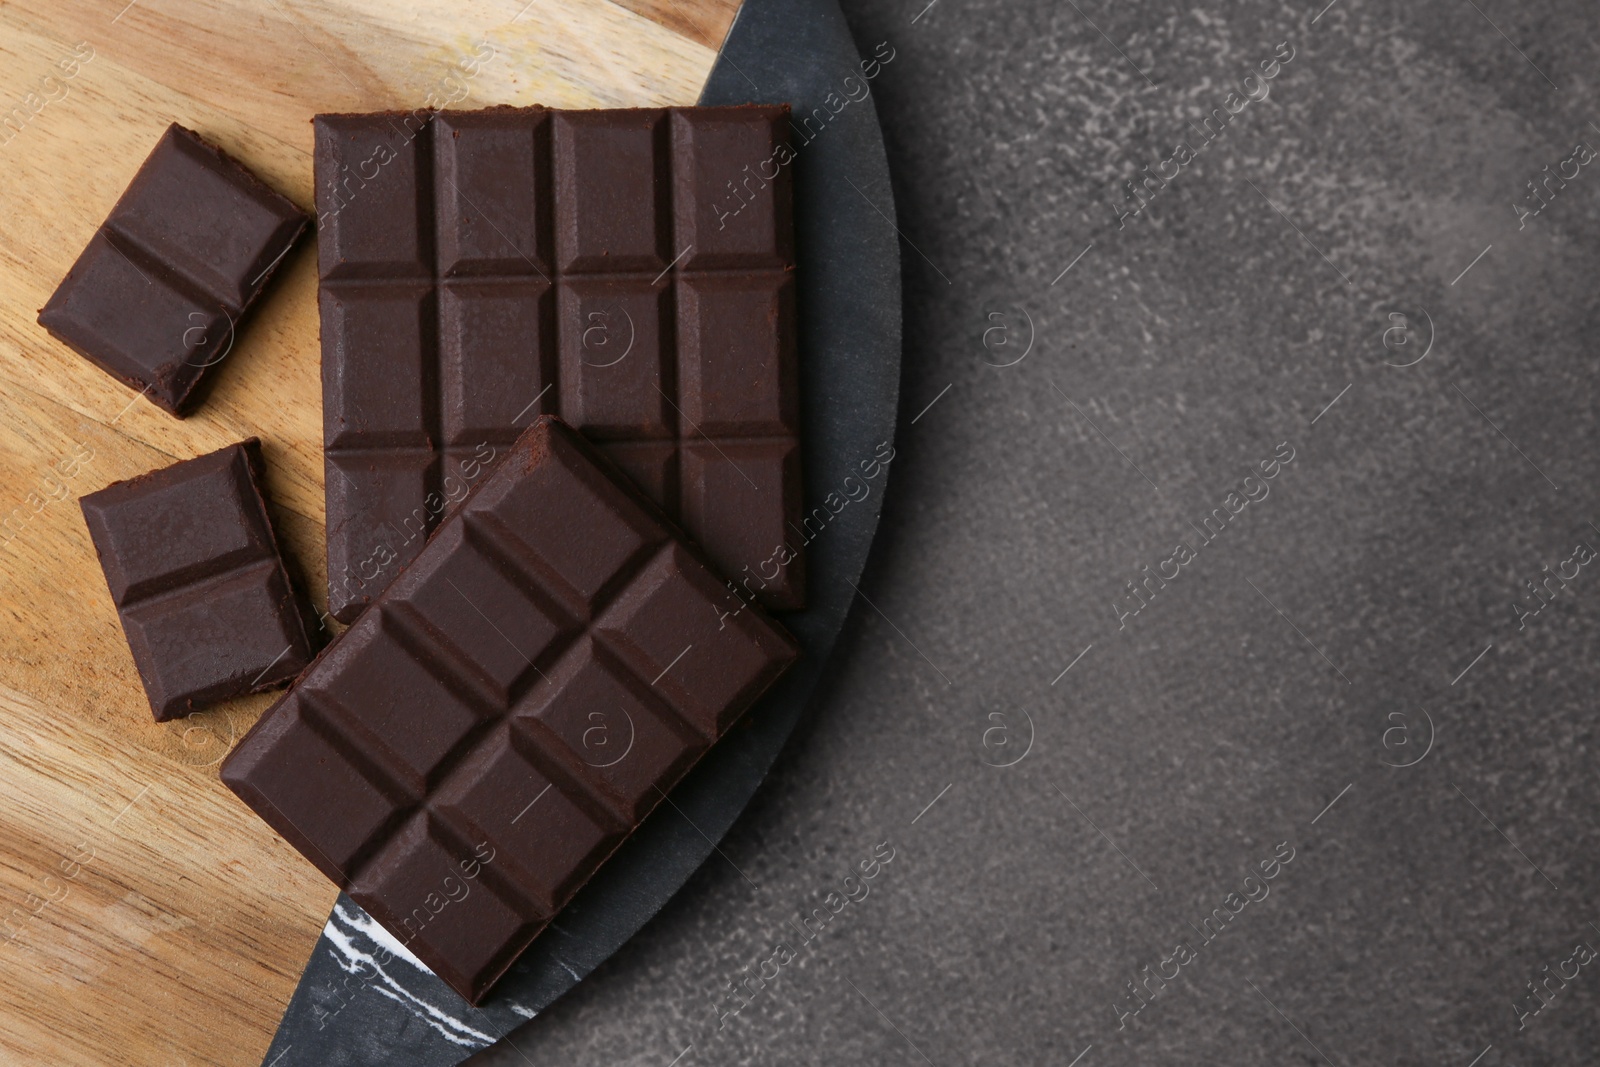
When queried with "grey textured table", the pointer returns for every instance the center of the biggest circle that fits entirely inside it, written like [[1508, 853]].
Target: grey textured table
[[1314, 630]]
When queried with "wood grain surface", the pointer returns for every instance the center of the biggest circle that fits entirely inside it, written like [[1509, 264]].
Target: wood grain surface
[[146, 916]]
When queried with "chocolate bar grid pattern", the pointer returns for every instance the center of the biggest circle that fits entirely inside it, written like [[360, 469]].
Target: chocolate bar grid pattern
[[501, 259], [473, 731], [207, 606], [156, 296]]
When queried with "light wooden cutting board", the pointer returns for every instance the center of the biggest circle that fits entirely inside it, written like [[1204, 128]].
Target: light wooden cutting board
[[147, 917]]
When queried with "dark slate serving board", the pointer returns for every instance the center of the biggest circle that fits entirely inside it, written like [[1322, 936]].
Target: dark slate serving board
[[350, 1011]]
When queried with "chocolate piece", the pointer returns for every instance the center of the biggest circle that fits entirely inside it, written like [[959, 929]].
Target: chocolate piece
[[208, 607], [157, 296], [631, 271], [466, 755]]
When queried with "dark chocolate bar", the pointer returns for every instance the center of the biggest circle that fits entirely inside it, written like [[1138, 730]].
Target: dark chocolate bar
[[466, 755], [207, 605], [629, 270], [157, 296]]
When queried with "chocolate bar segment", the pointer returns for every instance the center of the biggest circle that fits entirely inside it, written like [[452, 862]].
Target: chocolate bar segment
[[465, 756], [208, 607], [628, 270], [157, 297]]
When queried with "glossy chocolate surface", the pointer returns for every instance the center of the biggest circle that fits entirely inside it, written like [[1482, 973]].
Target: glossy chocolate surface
[[208, 607], [158, 295], [466, 755], [631, 271]]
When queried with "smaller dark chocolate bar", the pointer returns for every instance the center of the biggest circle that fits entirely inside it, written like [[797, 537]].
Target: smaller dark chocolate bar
[[208, 607], [157, 296], [469, 752]]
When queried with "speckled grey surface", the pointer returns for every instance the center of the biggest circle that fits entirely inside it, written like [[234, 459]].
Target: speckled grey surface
[[1257, 687]]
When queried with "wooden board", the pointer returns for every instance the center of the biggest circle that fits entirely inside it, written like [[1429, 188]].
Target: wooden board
[[147, 917]]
